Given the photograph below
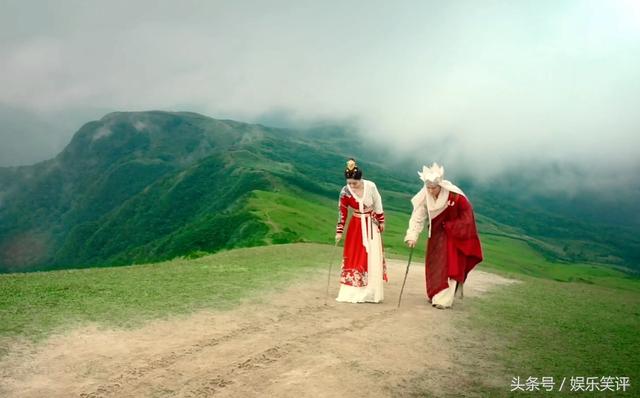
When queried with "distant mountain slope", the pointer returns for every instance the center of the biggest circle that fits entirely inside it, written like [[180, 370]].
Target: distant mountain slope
[[146, 186], [151, 185]]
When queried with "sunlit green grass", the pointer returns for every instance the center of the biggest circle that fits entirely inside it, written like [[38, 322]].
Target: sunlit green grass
[[561, 320], [309, 218], [544, 328], [34, 304], [513, 257]]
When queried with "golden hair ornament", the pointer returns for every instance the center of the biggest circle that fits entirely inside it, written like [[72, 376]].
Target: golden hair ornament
[[351, 164]]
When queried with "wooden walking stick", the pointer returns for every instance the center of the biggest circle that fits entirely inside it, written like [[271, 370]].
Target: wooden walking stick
[[333, 256], [411, 252], [405, 276]]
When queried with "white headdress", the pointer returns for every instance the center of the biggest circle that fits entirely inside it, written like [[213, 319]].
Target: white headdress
[[433, 175]]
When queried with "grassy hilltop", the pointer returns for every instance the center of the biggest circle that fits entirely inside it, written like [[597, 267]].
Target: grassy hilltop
[[143, 187]]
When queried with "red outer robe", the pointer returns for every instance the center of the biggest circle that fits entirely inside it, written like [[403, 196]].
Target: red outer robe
[[355, 267], [454, 247]]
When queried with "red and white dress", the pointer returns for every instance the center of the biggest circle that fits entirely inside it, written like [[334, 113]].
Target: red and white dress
[[363, 264], [453, 248]]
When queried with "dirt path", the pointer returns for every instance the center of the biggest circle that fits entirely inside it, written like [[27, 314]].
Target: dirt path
[[288, 345]]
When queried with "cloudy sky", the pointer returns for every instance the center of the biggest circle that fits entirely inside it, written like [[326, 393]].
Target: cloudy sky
[[481, 84]]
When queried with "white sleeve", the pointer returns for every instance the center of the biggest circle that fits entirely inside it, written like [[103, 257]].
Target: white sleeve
[[416, 223], [377, 200]]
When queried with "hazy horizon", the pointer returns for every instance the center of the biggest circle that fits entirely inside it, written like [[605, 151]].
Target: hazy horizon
[[481, 86]]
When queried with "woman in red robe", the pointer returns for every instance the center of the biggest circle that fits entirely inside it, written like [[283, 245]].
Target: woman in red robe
[[363, 266], [453, 246]]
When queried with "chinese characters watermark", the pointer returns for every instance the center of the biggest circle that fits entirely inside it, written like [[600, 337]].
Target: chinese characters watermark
[[574, 383]]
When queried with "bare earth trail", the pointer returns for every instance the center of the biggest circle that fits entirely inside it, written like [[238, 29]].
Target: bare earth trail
[[283, 344]]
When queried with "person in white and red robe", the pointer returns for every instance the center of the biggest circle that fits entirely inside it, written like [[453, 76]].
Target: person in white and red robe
[[453, 246], [363, 265]]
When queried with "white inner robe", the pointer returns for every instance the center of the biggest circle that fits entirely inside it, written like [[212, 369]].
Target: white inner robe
[[445, 297]]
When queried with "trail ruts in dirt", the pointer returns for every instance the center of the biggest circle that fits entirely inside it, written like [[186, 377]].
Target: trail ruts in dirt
[[283, 344]]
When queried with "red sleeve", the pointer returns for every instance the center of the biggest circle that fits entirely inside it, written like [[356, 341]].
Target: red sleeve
[[343, 210], [379, 217]]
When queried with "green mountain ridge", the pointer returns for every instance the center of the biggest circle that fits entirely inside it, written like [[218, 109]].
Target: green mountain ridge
[[136, 187]]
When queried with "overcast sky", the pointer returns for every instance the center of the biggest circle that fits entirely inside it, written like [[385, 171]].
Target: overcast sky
[[482, 85]]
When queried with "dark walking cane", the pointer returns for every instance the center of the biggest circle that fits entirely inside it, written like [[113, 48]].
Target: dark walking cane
[[333, 256], [405, 276]]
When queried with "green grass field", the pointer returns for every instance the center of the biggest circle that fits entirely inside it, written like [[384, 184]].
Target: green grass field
[[563, 320], [33, 305], [514, 257], [544, 328], [310, 218]]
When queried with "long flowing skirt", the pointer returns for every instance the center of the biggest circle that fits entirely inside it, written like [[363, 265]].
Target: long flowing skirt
[[363, 282], [440, 287]]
